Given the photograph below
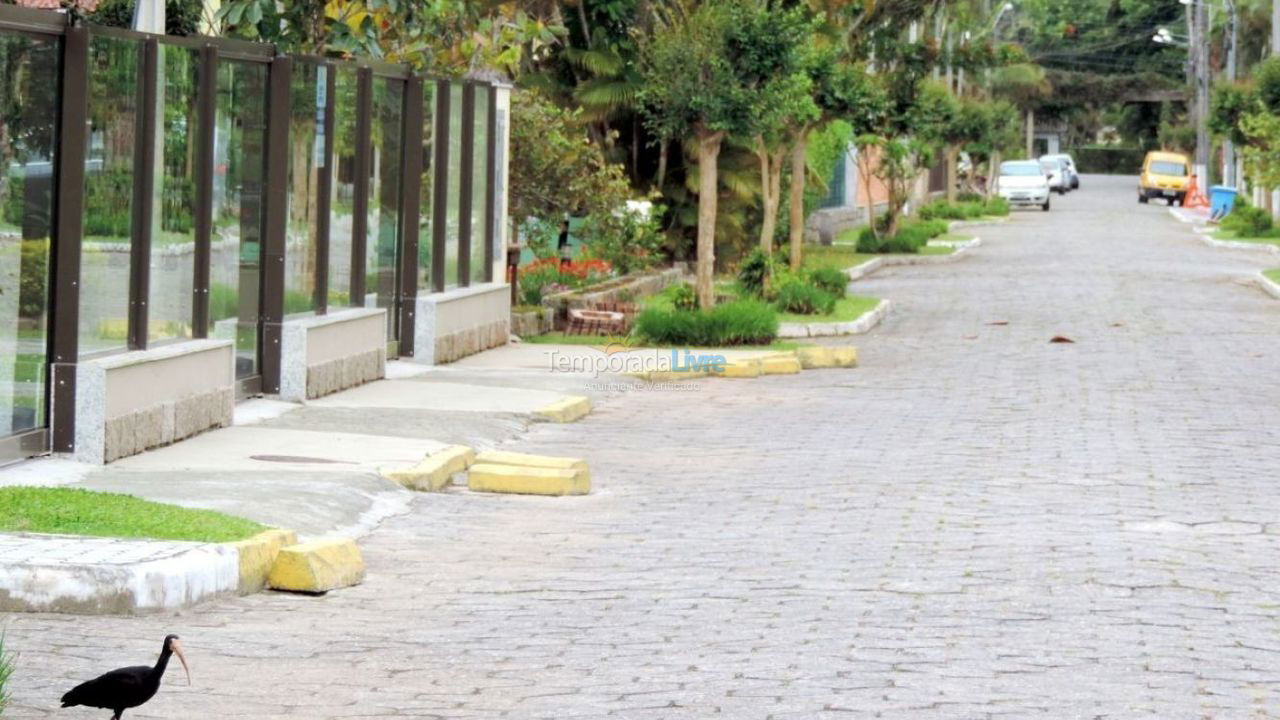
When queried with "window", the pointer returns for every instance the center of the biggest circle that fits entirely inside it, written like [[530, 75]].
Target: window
[[240, 135], [29, 68], [173, 238], [1174, 169], [426, 194], [108, 199], [454, 204], [343, 191], [385, 162], [306, 161], [479, 185]]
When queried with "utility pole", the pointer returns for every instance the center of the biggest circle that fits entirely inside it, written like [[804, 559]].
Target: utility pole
[[1229, 176], [1200, 41]]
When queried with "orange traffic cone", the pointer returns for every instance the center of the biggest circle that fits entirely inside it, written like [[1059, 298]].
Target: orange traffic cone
[[1194, 197]]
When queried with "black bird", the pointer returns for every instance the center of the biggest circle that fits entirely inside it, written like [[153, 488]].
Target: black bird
[[127, 687]]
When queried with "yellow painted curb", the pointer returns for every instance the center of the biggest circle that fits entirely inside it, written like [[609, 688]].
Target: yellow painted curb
[[501, 457], [817, 356], [566, 409], [748, 368], [435, 470], [522, 480], [317, 566], [257, 554], [786, 364]]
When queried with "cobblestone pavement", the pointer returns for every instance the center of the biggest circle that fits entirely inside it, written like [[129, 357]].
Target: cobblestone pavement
[[977, 523]]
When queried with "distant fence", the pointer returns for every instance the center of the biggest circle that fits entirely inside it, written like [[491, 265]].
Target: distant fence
[[1109, 160]]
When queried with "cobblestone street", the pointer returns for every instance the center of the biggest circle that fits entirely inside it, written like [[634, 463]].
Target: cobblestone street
[[976, 523]]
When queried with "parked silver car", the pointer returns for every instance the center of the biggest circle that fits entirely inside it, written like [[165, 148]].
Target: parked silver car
[[1072, 174], [1056, 171]]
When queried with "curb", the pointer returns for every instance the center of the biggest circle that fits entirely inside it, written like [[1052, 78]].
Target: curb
[[1271, 287], [256, 556], [436, 470], [1203, 232], [317, 566], [524, 480], [864, 323], [858, 272], [565, 410]]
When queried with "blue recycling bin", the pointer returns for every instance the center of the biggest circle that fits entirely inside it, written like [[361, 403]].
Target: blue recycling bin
[[1221, 199]]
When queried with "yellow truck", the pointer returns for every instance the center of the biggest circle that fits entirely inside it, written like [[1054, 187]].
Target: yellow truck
[[1164, 175]]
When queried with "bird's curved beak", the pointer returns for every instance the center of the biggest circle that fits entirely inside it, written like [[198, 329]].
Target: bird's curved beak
[[182, 658]]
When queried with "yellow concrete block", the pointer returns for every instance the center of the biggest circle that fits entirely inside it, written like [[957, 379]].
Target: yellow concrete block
[[501, 457], [317, 566], [523, 480], [676, 375], [749, 368], [786, 364], [566, 409], [257, 554], [435, 470], [817, 356]]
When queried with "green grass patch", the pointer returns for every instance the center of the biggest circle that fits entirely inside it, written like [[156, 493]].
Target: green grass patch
[[848, 308], [72, 511], [600, 341], [1270, 237], [1273, 275]]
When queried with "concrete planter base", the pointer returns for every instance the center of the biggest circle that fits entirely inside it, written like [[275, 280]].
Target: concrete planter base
[[863, 324], [323, 354], [454, 324]]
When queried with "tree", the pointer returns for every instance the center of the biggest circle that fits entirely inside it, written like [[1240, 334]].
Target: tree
[[710, 72], [1025, 85]]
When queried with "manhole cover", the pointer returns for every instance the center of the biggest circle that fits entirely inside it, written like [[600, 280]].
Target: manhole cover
[[298, 459]]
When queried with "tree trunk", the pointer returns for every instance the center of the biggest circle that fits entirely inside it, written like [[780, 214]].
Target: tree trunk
[[799, 166], [770, 192], [708, 189], [864, 169], [992, 168], [662, 164], [1031, 134], [952, 172]]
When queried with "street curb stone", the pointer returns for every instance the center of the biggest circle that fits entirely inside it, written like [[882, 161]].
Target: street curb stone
[[1271, 287]]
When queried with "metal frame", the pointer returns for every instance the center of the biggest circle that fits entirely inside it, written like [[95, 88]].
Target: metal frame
[[73, 140], [410, 210], [276, 207], [144, 184], [360, 202], [491, 177], [465, 181], [440, 182], [68, 218], [207, 109]]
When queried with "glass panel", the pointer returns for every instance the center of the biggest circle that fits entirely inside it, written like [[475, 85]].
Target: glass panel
[[240, 134], [173, 238], [500, 181], [455, 187], [28, 138], [342, 200], [384, 198], [108, 199], [426, 195], [306, 158], [479, 187]]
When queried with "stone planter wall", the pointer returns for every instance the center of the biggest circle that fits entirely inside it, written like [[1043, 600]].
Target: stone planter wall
[[531, 322], [628, 288]]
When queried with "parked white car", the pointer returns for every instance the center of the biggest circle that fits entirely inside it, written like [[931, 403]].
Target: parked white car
[[1056, 171], [1023, 184], [1072, 174]]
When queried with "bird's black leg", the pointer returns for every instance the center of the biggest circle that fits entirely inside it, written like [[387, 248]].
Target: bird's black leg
[[117, 715]]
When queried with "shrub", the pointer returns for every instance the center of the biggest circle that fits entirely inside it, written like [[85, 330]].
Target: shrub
[[941, 209], [830, 280], [736, 323], [754, 272], [629, 239], [1248, 221], [683, 297], [804, 299], [908, 240], [869, 242], [997, 206]]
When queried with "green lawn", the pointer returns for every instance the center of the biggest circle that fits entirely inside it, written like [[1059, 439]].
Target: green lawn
[[1271, 237], [558, 338], [1274, 275], [850, 307], [845, 255], [72, 511]]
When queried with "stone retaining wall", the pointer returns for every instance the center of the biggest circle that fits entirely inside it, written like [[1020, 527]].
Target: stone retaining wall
[[628, 288]]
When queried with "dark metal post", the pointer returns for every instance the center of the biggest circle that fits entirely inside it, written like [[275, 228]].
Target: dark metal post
[[465, 182], [73, 136], [144, 183], [325, 189], [491, 176], [360, 204], [440, 191], [410, 208], [274, 227], [206, 109]]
